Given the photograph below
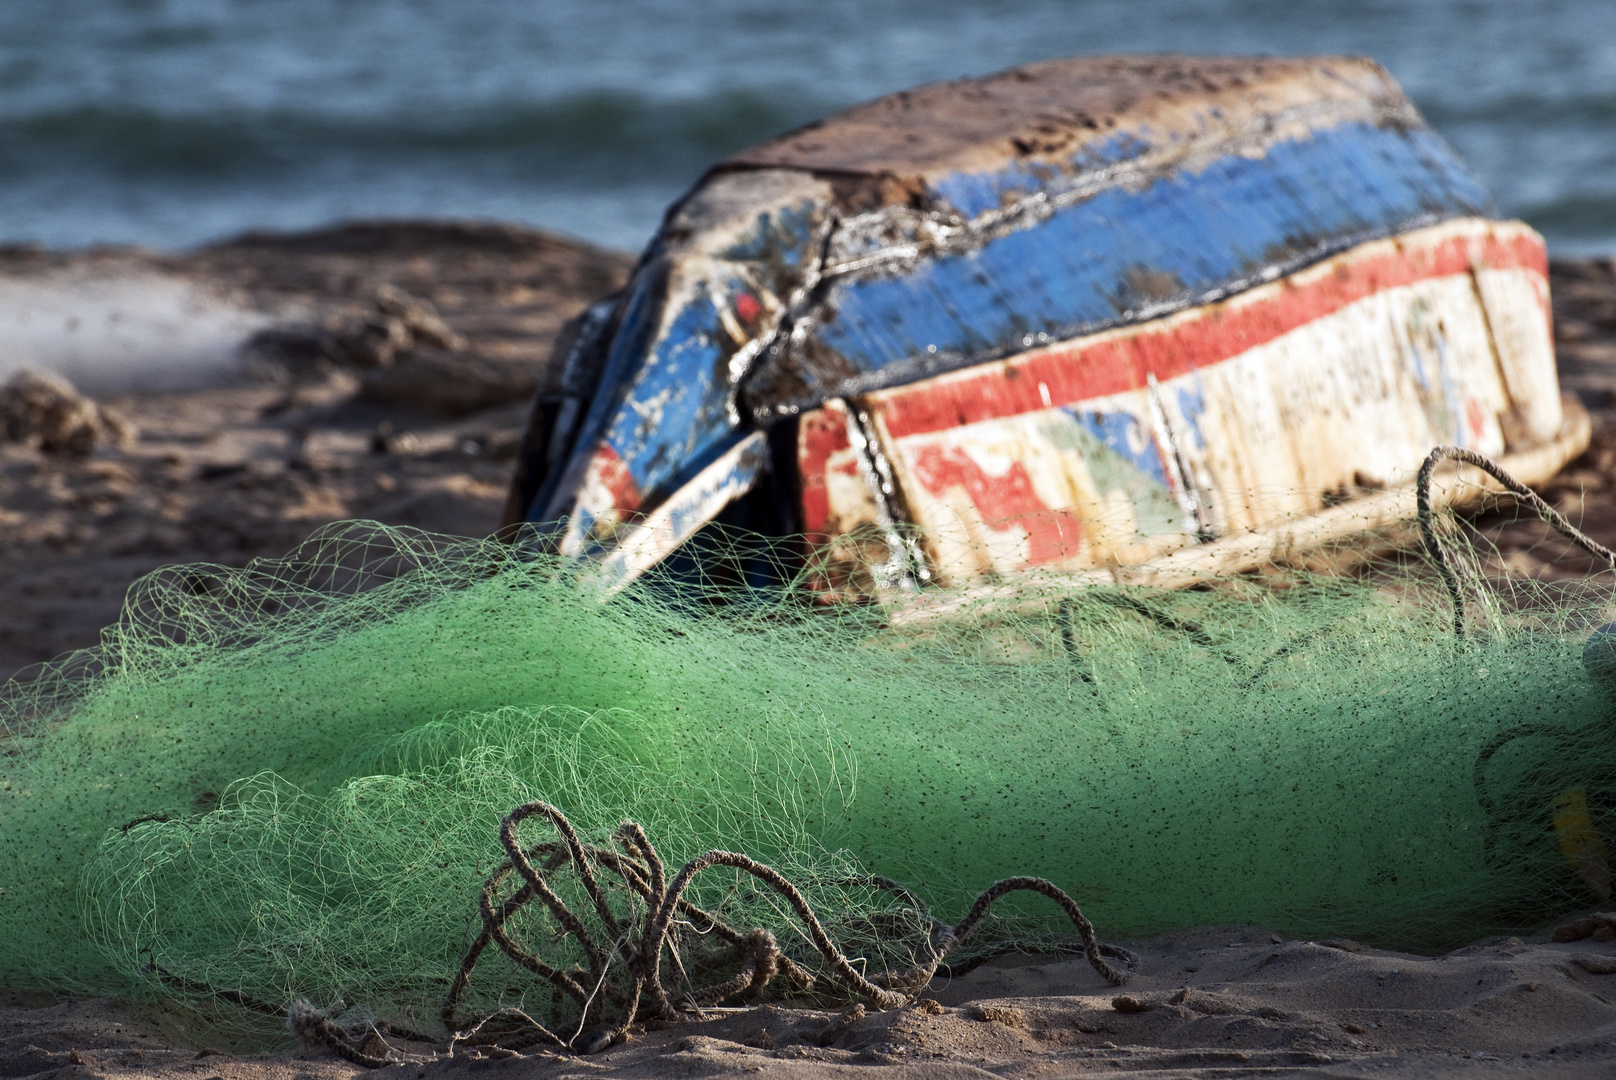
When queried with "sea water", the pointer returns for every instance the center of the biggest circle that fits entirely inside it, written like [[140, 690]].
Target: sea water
[[173, 122]]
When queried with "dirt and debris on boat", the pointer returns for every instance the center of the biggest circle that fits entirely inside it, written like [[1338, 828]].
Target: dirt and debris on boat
[[1147, 317]]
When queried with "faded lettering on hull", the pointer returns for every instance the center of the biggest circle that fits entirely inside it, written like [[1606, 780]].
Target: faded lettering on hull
[[987, 490], [1275, 403]]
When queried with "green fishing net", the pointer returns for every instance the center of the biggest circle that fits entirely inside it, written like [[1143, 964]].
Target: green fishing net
[[287, 780]]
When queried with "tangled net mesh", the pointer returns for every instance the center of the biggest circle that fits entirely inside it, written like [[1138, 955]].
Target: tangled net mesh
[[286, 781]]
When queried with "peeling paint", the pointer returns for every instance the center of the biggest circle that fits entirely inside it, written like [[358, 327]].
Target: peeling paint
[[1220, 294], [1227, 419], [648, 541]]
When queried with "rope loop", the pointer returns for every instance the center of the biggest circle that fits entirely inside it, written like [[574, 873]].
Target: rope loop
[[636, 953], [1427, 519]]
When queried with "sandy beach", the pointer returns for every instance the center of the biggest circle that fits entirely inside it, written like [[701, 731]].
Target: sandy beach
[[338, 409], [253, 390], [1217, 1002]]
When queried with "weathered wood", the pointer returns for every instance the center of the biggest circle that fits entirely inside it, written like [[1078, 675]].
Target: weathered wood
[[1073, 315], [1288, 542]]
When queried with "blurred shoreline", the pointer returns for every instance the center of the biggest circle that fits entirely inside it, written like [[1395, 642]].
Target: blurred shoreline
[[172, 123]]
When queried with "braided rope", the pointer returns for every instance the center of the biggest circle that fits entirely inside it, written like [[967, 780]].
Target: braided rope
[[642, 872], [1433, 546]]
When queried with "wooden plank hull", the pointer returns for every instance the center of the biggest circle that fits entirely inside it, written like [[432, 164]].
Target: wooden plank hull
[[1078, 315]]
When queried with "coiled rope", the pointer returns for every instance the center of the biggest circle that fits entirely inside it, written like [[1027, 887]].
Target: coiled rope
[[637, 953]]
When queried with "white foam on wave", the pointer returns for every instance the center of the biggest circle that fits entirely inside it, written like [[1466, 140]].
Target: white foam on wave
[[112, 332]]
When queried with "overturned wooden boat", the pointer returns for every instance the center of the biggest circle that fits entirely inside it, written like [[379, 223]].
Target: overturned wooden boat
[[1139, 317]]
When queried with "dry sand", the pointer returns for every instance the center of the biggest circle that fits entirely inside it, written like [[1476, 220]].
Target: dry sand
[[360, 404], [315, 429], [1221, 1002]]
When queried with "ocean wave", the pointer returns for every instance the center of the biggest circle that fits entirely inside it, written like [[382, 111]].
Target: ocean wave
[[1526, 110], [597, 137], [1574, 217]]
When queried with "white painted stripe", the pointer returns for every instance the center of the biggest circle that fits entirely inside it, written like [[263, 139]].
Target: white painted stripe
[[647, 542]]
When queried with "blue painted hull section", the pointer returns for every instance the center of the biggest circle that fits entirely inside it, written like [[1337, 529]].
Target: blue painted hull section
[[663, 404], [1119, 256], [1123, 254]]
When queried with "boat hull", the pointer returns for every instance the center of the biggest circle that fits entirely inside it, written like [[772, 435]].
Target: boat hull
[[1078, 315]]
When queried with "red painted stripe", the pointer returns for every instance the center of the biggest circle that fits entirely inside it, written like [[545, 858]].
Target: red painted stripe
[[823, 433], [1005, 502], [1115, 362], [611, 473]]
